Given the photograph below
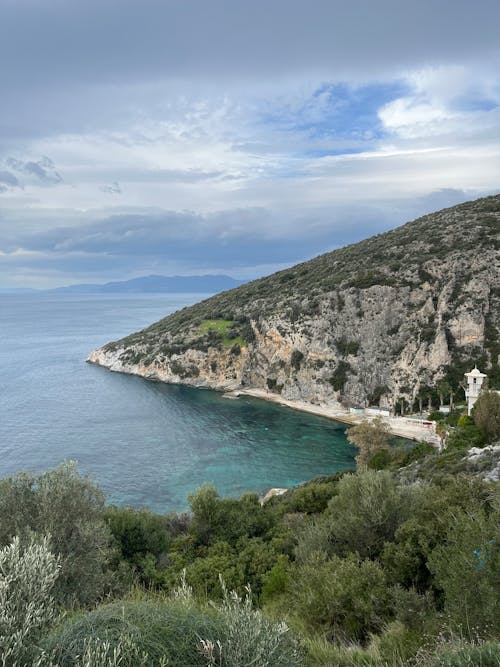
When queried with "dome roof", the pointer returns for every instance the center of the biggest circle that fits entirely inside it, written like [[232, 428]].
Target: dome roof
[[475, 372]]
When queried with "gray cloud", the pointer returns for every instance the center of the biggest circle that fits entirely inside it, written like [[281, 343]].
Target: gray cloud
[[223, 106], [75, 65], [44, 169], [8, 181], [125, 39], [112, 189], [230, 241]]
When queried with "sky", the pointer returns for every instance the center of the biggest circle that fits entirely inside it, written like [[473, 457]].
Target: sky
[[183, 137]]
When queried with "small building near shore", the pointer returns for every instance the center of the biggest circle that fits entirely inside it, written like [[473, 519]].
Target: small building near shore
[[475, 381]]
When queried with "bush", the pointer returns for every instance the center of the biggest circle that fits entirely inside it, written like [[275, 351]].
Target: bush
[[248, 637], [466, 567], [276, 580], [69, 508], [162, 629], [141, 537], [27, 577], [339, 377], [418, 452], [226, 519], [345, 598], [296, 359], [203, 574], [406, 558], [486, 415], [458, 653], [311, 498], [464, 437], [367, 511]]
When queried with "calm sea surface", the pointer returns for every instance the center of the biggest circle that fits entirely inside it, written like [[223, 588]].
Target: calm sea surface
[[146, 444]]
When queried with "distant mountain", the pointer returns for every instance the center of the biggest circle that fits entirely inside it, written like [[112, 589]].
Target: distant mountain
[[151, 284], [386, 321]]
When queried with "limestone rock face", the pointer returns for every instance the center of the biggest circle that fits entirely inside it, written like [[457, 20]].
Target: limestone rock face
[[372, 323]]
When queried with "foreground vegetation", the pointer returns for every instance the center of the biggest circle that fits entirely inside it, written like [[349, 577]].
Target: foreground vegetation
[[392, 566]]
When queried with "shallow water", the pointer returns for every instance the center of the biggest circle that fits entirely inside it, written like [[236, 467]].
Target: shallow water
[[145, 443]]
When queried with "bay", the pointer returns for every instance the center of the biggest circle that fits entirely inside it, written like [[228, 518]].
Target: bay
[[144, 443]]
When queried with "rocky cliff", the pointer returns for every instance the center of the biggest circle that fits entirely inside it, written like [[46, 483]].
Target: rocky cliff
[[385, 321]]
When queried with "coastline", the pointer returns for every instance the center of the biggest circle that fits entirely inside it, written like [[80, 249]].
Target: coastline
[[403, 427], [398, 426]]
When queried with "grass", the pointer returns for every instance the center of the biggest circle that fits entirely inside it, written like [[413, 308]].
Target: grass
[[221, 327]]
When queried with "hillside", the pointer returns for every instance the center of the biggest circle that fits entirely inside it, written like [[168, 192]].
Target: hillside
[[375, 322]]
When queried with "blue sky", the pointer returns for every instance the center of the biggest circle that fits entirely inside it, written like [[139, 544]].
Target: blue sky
[[189, 137]]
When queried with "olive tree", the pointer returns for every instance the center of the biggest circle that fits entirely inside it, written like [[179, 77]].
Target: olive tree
[[27, 578], [369, 437]]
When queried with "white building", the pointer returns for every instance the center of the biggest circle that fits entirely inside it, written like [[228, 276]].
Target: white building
[[475, 381]]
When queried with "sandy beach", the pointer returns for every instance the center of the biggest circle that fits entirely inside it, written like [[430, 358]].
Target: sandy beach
[[401, 426]]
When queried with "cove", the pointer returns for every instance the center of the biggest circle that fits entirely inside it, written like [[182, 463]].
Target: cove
[[145, 443]]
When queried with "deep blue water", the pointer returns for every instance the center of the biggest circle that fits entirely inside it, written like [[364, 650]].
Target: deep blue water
[[146, 444]]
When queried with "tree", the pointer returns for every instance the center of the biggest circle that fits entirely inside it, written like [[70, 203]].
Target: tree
[[69, 508], [486, 415], [443, 389], [343, 598], [205, 506], [369, 437], [367, 511]]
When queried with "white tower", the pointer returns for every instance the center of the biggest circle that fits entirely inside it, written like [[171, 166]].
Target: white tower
[[475, 381]]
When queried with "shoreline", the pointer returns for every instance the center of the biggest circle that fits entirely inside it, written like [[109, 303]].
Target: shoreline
[[398, 426], [402, 427]]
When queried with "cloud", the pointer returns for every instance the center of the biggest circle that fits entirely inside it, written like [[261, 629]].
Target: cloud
[[112, 189], [153, 39], [8, 181], [44, 169], [235, 135], [442, 101]]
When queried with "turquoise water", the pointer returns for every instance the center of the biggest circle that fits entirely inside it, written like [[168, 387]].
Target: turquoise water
[[146, 444]]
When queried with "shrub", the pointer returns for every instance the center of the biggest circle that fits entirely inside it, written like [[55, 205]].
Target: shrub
[[248, 637], [367, 511], [465, 567], [458, 653], [203, 574], [27, 577], [226, 519], [311, 498], [380, 460], [345, 598], [406, 558], [69, 508], [276, 580], [464, 437], [339, 377], [418, 452], [141, 537], [486, 415], [296, 359], [163, 630]]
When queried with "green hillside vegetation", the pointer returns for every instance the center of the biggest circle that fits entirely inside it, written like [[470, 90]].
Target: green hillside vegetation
[[393, 564], [227, 330]]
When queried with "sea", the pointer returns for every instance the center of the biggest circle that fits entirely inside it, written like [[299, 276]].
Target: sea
[[147, 444]]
